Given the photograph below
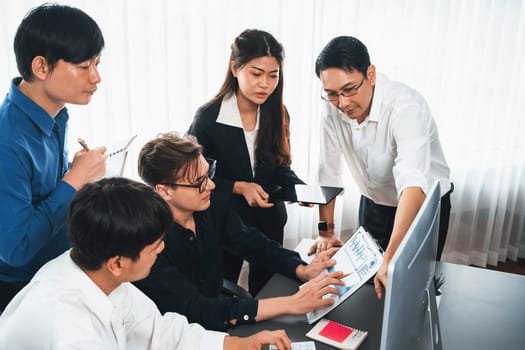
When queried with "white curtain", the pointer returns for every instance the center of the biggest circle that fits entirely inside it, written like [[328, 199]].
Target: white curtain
[[163, 59]]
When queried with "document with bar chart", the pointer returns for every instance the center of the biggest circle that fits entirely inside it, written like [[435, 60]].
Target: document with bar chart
[[360, 257]]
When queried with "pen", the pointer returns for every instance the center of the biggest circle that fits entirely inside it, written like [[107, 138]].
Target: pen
[[346, 275], [83, 144]]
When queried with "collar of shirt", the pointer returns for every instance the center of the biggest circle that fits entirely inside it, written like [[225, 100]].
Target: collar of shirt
[[64, 269], [198, 217], [377, 99], [229, 113], [355, 125], [34, 112], [177, 229]]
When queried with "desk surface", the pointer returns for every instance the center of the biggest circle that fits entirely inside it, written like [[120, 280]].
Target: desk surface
[[480, 309]]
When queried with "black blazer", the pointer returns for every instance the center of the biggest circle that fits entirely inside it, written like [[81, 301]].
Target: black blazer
[[227, 145]]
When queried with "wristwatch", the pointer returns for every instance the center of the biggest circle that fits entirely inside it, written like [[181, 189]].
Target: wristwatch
[[325, 226]]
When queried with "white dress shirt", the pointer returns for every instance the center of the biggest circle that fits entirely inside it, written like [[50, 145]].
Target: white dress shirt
[[229, 115], [397, 146], [62, 308]]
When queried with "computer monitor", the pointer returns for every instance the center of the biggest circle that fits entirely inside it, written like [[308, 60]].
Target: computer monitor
[[410, 318]]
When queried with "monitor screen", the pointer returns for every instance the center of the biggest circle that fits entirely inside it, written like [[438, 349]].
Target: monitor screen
[[410, 319]]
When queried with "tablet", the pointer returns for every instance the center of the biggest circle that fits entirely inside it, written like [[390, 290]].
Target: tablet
[[314, 194]]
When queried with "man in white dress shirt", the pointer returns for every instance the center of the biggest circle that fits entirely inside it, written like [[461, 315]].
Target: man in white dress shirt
[[389, 140], [83, 298]]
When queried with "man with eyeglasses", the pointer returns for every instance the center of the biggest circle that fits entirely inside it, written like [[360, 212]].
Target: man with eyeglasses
[[187, 276], [389, 140], [203, 182]]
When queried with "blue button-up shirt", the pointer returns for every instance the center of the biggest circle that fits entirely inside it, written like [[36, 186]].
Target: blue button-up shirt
[[33, 198]]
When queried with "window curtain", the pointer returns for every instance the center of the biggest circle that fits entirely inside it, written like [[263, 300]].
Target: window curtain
[[163, 59]]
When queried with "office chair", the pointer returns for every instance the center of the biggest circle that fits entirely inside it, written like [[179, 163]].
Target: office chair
[[234, 290]]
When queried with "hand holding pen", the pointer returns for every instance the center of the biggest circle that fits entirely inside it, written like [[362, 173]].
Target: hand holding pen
[[83, 144], [87, 165]]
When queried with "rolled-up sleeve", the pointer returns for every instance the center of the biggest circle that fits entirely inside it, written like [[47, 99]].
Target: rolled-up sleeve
[[411, 124], [330, 154]]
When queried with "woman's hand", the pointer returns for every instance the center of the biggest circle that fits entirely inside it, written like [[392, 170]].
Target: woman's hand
[[254, 194]]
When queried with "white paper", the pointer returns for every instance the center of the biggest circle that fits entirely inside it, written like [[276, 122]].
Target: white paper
[[361, 257], [303, 247], [117, 155]]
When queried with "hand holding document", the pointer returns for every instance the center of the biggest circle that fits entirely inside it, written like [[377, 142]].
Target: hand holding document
[[360, 258]]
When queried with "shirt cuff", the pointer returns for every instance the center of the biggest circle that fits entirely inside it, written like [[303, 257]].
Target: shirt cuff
[[290, 269], [66, 189], [213, 340], [246, 311]]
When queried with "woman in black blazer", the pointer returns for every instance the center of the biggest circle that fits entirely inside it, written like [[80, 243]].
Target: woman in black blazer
[[245, 127]]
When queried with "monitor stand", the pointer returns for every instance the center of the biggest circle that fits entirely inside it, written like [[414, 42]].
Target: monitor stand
[[432, 329]]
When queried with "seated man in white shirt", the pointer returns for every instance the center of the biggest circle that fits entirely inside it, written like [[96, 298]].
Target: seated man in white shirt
[[83, 298]]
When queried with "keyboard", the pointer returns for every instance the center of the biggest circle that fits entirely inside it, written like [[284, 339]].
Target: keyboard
[[299, 345]]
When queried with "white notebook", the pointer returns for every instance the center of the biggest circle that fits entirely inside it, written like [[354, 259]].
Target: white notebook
[[117, 155]]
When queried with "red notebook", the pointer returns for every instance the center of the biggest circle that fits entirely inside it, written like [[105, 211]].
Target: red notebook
[[336, 334]]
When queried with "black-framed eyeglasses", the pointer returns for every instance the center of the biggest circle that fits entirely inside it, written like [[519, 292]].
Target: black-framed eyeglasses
[[201, 184], [333, 96]]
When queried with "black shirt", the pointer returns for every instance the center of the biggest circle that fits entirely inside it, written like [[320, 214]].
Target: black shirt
[[187, 276]]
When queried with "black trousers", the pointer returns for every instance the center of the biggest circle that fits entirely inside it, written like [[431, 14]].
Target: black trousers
[[8, 290], [269, 221], [379, 220]]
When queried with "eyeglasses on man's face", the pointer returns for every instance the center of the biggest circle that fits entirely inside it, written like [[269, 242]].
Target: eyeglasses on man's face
[[333, 96], [202, 183]]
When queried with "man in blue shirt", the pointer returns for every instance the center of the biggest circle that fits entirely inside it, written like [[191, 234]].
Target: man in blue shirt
[[57, 51]]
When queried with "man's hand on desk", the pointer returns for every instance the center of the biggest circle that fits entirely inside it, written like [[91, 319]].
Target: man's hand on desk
[[321, 262], [310, 296], [324, 243], [258, 340]]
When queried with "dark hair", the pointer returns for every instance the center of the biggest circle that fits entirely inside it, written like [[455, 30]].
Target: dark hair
[[115, 217], [56, 32], [272, 145], [345, 52], [169, 157]]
